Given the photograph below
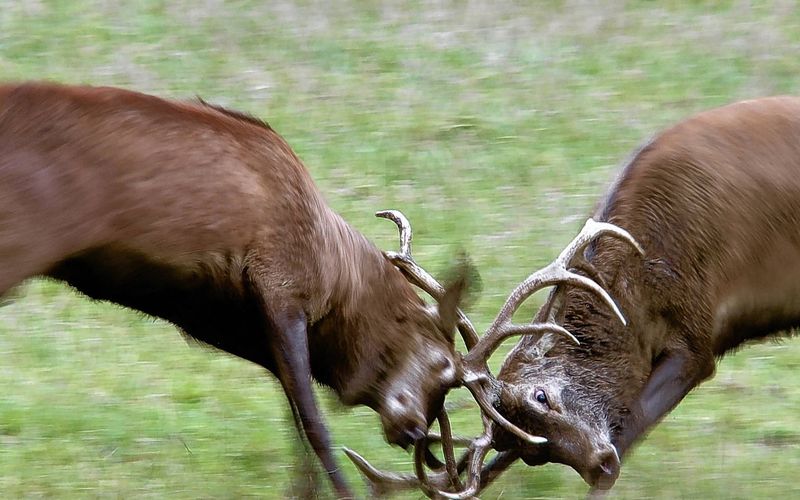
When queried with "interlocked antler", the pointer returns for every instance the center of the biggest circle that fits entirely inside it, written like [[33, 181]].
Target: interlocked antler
[[382, 483], [435, 485], [476, 376], [419, 277], [558, 274]]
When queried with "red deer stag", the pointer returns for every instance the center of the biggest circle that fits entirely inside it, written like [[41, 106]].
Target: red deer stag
[[206, 218], [714, 203]]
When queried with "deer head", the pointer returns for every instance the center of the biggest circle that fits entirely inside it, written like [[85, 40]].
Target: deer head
[[405, 366]]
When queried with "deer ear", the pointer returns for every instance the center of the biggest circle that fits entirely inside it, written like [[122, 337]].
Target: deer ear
[[461, 287]]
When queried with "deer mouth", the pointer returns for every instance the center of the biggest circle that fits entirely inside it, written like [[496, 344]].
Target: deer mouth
[[404, 435], [403, 424], [405, 416], [600, 471]]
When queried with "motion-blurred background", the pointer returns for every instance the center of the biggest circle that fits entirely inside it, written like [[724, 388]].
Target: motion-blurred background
[[495, 126]]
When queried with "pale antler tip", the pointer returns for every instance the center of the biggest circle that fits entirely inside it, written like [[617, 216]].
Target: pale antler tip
[[616, 231], [360, 462], [403, 225], [352, 455], [561, 331]]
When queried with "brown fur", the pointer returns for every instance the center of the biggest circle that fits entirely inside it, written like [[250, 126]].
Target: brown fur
[[206, 218], [715, 203]]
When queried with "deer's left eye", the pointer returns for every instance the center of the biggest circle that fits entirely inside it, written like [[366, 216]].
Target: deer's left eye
[[541, 397]]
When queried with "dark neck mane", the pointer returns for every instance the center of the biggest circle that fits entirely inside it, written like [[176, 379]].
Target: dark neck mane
[[237, 115]]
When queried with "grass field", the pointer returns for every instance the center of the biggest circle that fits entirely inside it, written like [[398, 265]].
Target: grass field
[[494, 125]]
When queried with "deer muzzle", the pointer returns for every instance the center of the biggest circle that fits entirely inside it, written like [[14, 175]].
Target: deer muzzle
[[603, 469], [403, 420]]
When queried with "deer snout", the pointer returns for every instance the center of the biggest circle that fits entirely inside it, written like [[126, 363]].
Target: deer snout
[[403, 420], [603, 469]]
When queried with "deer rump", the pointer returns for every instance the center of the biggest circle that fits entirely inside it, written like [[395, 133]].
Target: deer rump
[[206, 218], [704, 258]]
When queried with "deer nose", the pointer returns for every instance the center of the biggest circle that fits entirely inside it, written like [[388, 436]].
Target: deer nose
[[604, 469]]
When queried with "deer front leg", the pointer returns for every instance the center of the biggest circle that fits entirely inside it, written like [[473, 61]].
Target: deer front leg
[[289, 343], [675, 374]]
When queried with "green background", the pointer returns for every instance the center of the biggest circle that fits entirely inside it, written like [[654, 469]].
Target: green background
[[495, 126]]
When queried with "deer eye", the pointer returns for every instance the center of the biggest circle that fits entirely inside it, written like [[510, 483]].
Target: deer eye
[[541, 397]]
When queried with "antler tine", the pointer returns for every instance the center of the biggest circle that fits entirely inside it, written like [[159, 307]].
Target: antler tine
[[419, 468], [473, 380], [420, 277], [403, 225], [486, 347], [556, 273], [447, 450], [595, 229], [478, 449], [403, 258], [435, 437], [379, 482], [421, 446]]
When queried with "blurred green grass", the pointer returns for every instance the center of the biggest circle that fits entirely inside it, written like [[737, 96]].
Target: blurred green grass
[[494, 125]]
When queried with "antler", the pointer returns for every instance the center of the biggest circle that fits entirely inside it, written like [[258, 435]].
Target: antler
[[557, 273], [420, 277], [475, 372], [432, 485], [435, 485], [476, 376]]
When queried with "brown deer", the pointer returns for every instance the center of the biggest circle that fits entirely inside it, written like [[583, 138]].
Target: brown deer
[[206, 218], [714, 203]]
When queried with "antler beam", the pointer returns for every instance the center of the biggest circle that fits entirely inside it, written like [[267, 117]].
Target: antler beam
[[420, 277]]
